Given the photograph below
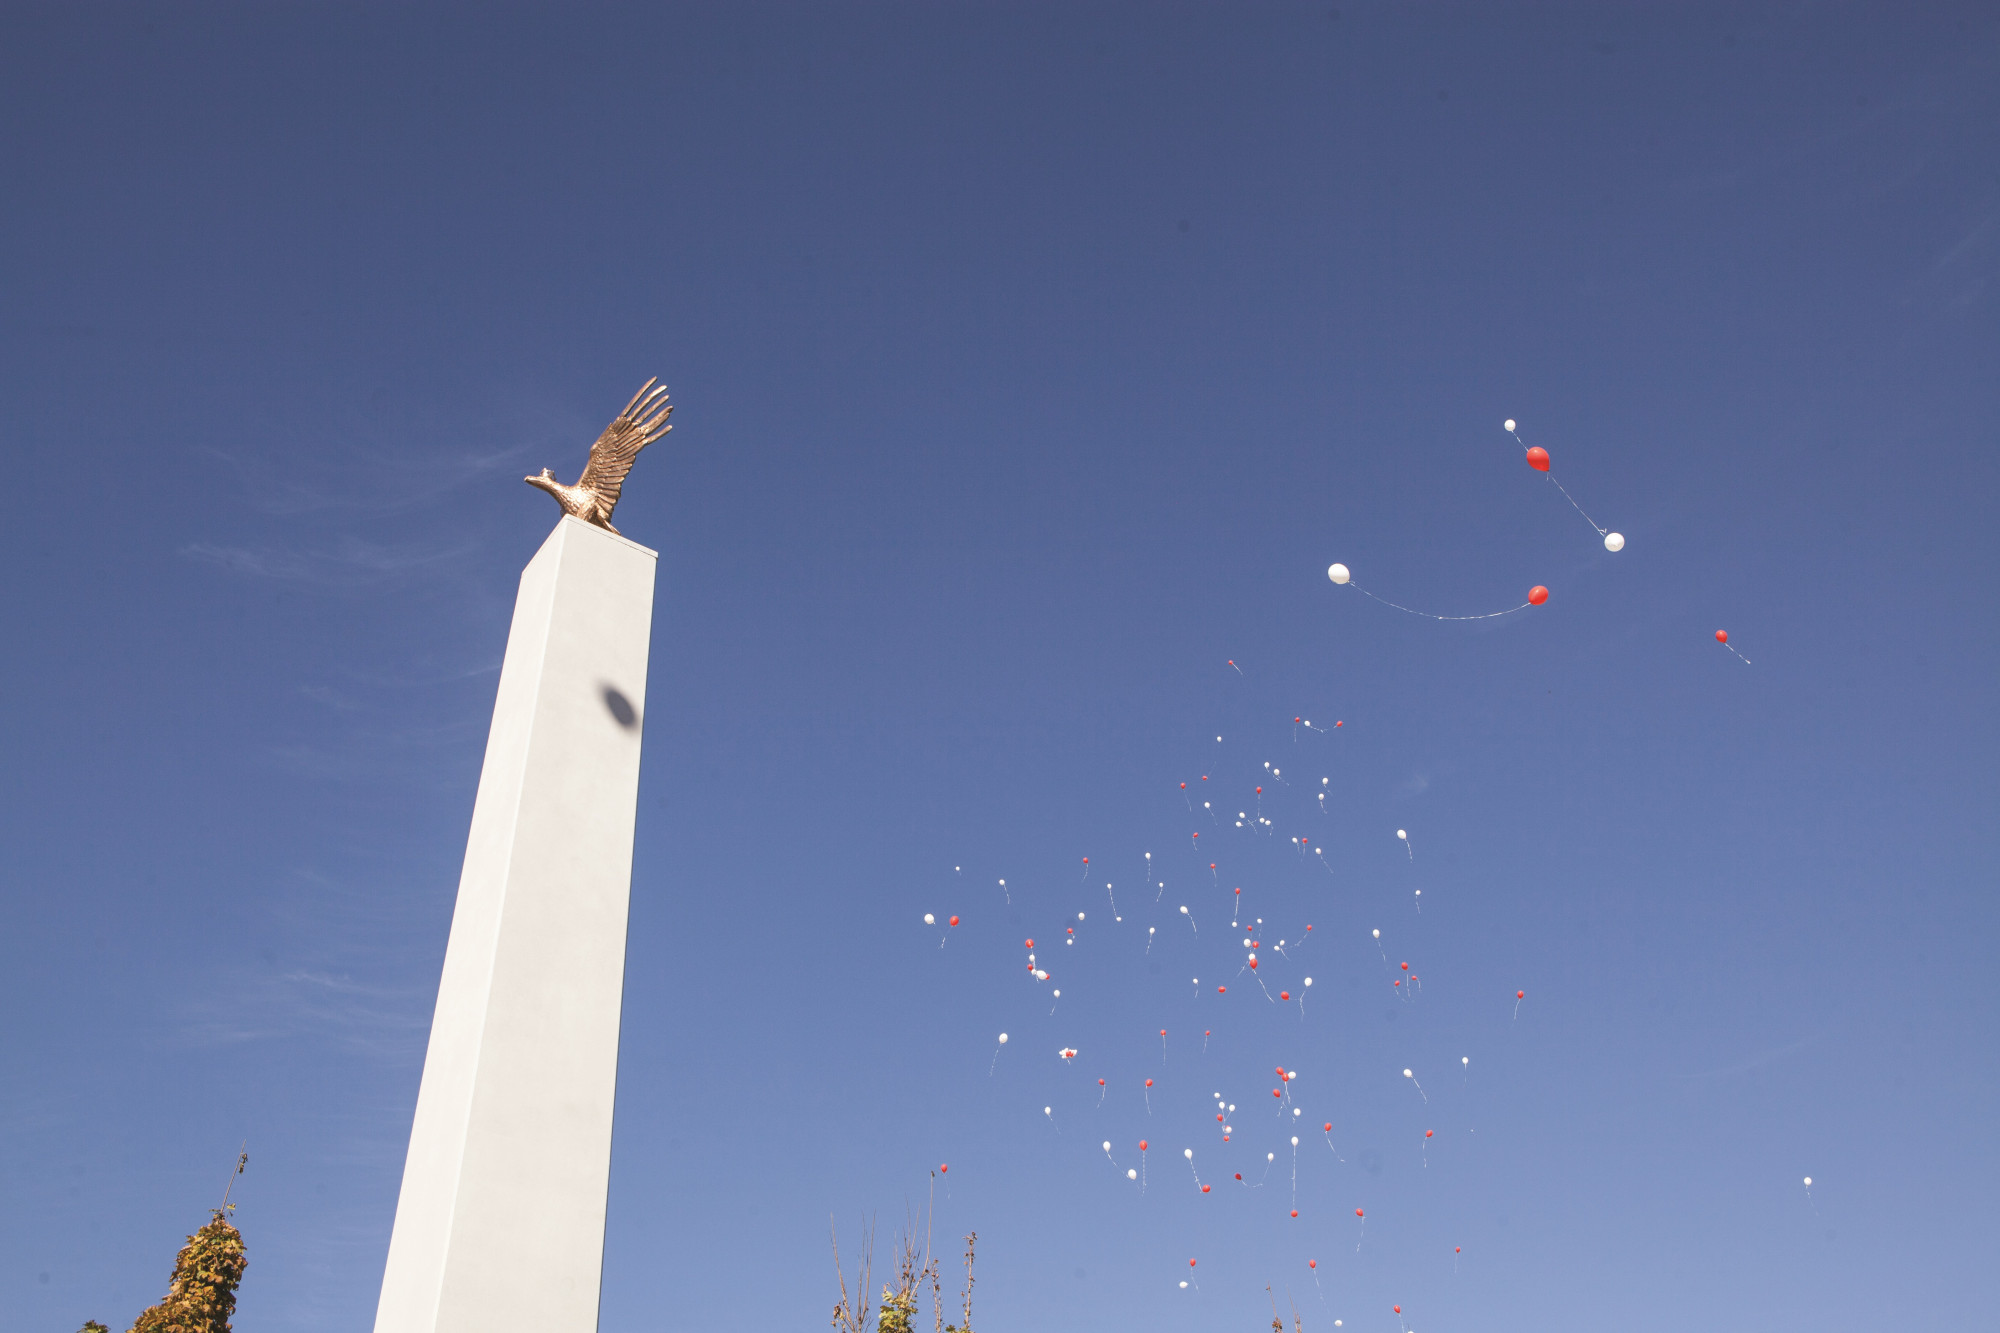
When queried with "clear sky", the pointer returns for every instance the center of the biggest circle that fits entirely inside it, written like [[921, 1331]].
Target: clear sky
[[1031, 363]]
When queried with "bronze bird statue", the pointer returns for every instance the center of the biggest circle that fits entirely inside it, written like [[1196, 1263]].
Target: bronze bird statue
[[595, 494]]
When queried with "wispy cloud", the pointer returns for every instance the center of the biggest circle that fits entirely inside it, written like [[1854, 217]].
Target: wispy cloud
[[350, 563], [1755, 1061]]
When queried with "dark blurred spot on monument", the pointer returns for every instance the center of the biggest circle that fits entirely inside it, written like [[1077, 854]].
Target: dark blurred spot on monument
[[621, 708]]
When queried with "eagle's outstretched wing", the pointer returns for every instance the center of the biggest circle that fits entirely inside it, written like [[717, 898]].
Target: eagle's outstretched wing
[[643, 421]]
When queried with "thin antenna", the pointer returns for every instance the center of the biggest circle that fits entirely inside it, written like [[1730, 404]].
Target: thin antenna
[[242, 1160]]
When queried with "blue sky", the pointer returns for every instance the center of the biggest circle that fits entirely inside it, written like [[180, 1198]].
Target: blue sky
[[1030, 365]]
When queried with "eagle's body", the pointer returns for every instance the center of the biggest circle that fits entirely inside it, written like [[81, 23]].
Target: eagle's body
[[595, 494]]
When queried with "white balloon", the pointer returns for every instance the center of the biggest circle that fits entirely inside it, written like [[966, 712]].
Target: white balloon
[[1188, 1153], [1309, 981], [1295, 1140], [1614, 541], [1183, 1286], [1183, 911], [1808, 1181], [1049, 1111], [1058, 995], [1003, 1039], [1131, 1173], [1403, 834], [1107, 1145], [1465, 1059], [1508, 424], [1408, 1074], [1378, 934], [929, 920], [1338, 573], [1270, 1157]]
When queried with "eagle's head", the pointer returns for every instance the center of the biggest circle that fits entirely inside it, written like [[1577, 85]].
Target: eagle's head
[[545, 479]]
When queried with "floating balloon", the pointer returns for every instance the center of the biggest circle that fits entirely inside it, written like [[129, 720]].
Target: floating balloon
[[943, 1167], [1614, 542], [929, 920], [1537, 595], [1722, 637], [1003, 1039], [953, 921], [1538, 459], [1339, 574]]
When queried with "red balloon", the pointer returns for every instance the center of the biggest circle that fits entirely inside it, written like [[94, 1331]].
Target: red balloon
[[1184, 786], [1722, 636], [1204, 1189], [1328, 1127], [1100, 1083], [954, 921], [1277, 1092], [1427, 1133], [1537, 595], [1458, 1249], [1406, 967], [1163, 1032], [1260, 791], [1222, 990], [1218, 1120], [1336, 724], [1190, 1263], [1239, 1175], [1142, 1145], [1312, 1263], [1284, 995], [1538, 459], [1149, 1083], [1086, 860], [1029, 943], [1253, 964], [1357, 1212], [1397, 982], [1520, 995], [1399, 1309], [943, 1167]]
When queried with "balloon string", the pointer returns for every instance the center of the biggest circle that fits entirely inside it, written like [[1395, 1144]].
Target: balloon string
[[1579, 508], [1739, 656], [1428, 616]]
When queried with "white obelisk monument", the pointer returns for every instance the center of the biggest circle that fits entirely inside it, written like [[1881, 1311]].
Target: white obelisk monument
[[500, 1224]]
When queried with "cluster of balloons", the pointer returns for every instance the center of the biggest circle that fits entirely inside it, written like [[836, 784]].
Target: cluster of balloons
[[1269, 796]]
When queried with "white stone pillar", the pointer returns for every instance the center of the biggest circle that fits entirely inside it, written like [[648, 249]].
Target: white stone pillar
[[500, 1224]]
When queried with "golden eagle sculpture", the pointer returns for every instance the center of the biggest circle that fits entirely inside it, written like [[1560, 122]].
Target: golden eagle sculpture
[[595, 494]]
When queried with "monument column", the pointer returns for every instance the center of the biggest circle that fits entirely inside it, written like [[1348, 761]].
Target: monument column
[[500, 1223]]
